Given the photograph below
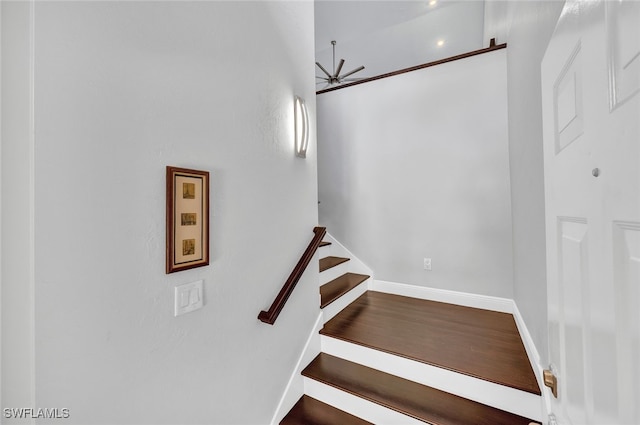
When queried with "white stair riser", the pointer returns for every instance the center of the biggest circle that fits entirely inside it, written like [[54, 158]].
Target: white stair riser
[[336, 247], [356, 406], [498, 396], [339, 250], [334, 272], [338, 305], [326, 251]]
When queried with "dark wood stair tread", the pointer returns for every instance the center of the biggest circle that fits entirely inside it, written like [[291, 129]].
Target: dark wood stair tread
[[328, 262], [309, 411], [324, 243], [410, 398], [480, 343], [333, 290]]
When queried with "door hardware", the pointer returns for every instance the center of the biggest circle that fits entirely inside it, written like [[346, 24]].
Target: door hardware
[[551, 381]]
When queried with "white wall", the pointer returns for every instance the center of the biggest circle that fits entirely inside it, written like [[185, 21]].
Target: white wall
[[16, 249], [416, 166], [123, 89], [385, 36], [527, 28]]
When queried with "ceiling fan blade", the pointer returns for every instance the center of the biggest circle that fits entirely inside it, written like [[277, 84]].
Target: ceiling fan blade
[[352, 72], [335, 75], [323, 70]]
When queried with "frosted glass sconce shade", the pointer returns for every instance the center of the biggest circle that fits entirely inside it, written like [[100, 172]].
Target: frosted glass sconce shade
[[301, 123]]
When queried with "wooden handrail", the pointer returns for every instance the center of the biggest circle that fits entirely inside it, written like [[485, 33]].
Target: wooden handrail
[[492, 46], [277, 305]]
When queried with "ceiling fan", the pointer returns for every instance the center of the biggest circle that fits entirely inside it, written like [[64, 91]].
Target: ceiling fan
[[336, 78]]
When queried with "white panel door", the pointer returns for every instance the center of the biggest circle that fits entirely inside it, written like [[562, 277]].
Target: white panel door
[[591, 111]]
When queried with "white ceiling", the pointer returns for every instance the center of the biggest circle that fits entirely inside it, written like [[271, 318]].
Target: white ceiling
[[388, 35]]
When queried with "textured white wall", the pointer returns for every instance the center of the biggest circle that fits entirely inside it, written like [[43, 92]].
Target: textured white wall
[[123, 89], [526, 27], [17, 366], [417, 166]]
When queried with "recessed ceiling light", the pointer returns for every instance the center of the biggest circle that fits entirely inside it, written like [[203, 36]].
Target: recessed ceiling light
[[440, 43], [433, 3]]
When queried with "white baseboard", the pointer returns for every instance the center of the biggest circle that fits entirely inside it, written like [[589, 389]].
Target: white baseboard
[[485, 302], [295, 387]]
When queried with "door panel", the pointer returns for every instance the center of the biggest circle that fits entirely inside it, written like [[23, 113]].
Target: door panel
[[591, 114], [573, 262], [623, 33], [627, 276], [568, 101]]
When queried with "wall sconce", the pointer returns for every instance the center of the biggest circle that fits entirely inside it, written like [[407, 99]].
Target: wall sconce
[[301, 123]]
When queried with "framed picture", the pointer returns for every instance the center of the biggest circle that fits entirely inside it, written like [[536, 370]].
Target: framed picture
[[187, 219]]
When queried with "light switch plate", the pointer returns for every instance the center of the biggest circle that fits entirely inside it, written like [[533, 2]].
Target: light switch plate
[[188, 297], [427, 263]]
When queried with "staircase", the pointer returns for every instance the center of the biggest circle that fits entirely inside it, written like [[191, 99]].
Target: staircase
[[390, 359]]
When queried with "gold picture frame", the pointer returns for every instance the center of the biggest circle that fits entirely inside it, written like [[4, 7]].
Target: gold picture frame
[[187, 219]]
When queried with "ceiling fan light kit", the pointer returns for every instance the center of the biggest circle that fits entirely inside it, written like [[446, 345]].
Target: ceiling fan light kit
[[335, 77]]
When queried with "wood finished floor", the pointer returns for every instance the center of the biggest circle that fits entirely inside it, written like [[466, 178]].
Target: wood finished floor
[[479, 343], [331, 291], [410, 398], [329, 262], [309, 411]]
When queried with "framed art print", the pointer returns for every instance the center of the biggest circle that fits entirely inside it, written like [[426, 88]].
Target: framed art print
[[187, 219]]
